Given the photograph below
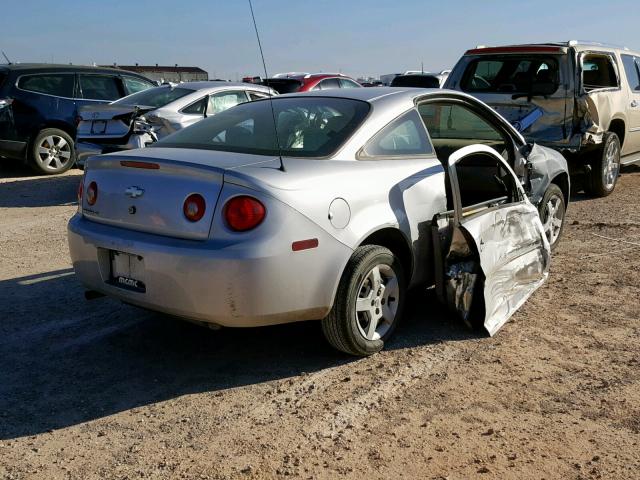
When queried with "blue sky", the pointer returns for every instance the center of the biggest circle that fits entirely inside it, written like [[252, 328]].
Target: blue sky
[[353, 36]]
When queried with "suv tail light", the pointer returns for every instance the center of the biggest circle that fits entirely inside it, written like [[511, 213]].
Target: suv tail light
[[194, 207], [244, 213], [92, 193]]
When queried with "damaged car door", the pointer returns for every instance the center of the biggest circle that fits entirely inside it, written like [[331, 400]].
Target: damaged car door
[[491, 250]]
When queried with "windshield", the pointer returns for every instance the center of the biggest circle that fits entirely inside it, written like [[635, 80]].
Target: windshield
[[307, 127], [511, 74], [154, 97]]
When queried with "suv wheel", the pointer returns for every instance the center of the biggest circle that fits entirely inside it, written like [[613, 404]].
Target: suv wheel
[[369, 302], [605, 167], [52, 152]]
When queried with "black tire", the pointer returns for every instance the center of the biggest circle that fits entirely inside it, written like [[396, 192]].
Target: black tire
[[342, 326], [62, 154], [553, 201], [596, 184]]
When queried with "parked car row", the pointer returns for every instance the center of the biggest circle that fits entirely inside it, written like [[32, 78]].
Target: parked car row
[[39, 107]]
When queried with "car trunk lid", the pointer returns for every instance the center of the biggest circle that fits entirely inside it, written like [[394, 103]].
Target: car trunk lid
[[99, 123], [145, 189]]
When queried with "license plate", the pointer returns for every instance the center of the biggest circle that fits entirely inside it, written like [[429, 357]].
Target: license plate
[[98, 127], [127, 271]]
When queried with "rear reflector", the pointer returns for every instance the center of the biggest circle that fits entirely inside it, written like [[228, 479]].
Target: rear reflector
[[194, 207], [92, 193], [304, 244], [516, 49], [134, 164]]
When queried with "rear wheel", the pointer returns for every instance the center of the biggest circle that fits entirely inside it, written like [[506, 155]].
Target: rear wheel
[[52, 152], [605, 167], [552, 211], [369, 302]]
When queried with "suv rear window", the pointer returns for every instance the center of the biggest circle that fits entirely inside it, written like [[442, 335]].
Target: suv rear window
[[283, 85], [60, 85], [511, 74], [306, 126], [155, 97]]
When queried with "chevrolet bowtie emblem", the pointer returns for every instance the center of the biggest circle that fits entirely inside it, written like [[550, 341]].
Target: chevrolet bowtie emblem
[[134, 192]]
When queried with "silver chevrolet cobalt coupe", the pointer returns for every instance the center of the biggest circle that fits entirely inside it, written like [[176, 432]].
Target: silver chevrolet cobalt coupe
[[369, 192]]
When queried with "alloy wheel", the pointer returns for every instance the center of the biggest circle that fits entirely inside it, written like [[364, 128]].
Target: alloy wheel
[[611, 166], [377, 302], [53, 153], [553, 218]]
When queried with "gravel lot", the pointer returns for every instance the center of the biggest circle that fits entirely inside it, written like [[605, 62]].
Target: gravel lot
[[103, 390]]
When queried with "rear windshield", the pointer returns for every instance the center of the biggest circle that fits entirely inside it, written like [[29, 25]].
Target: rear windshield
[[154, 97], [511, 74], [283, 85], [306, 127]]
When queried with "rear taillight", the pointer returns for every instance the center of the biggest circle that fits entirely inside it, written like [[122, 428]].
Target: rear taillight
[[194, 207], [92, 193], [80, 189], [244, 213]]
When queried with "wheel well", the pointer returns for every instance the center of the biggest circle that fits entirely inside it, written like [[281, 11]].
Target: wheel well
[[395, 241], [617, 126], [65, 127], [562, 181]]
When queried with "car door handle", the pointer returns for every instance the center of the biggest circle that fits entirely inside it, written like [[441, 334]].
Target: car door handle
[[634, 104]]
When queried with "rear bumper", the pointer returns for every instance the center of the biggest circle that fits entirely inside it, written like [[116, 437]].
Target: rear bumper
[[211, 281]]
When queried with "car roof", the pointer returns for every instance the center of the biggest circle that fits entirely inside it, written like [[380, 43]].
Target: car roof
[[51, 67], [220, 84], [372, 94]]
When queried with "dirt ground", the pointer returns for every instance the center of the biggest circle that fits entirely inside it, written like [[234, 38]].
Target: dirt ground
[[103, 390]]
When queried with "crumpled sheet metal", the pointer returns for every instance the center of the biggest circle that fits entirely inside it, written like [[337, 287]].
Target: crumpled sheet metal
[[514, 260]]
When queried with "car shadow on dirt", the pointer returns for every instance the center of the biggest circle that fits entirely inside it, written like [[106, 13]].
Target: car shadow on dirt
[[30, 190], [67, 361]]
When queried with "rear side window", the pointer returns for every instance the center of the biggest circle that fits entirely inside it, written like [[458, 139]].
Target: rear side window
[[403, 137], [631, 69], [328, 84], [100, 87], [511, 74], [135, 85], [196, 108], [598, 72], [220, 102], [345, 83], [60, 85]]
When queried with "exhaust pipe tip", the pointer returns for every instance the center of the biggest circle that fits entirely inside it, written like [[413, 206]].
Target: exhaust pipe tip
[[92, 295]]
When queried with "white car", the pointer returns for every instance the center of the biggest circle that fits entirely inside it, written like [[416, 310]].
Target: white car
[[145, 117]]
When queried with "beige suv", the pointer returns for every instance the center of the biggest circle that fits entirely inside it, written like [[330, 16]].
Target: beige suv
[[580, 98]]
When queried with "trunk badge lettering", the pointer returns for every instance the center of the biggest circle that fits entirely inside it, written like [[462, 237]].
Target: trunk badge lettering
[[134, 192]]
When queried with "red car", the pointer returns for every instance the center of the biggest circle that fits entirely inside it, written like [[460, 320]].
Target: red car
[[303, 82]]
